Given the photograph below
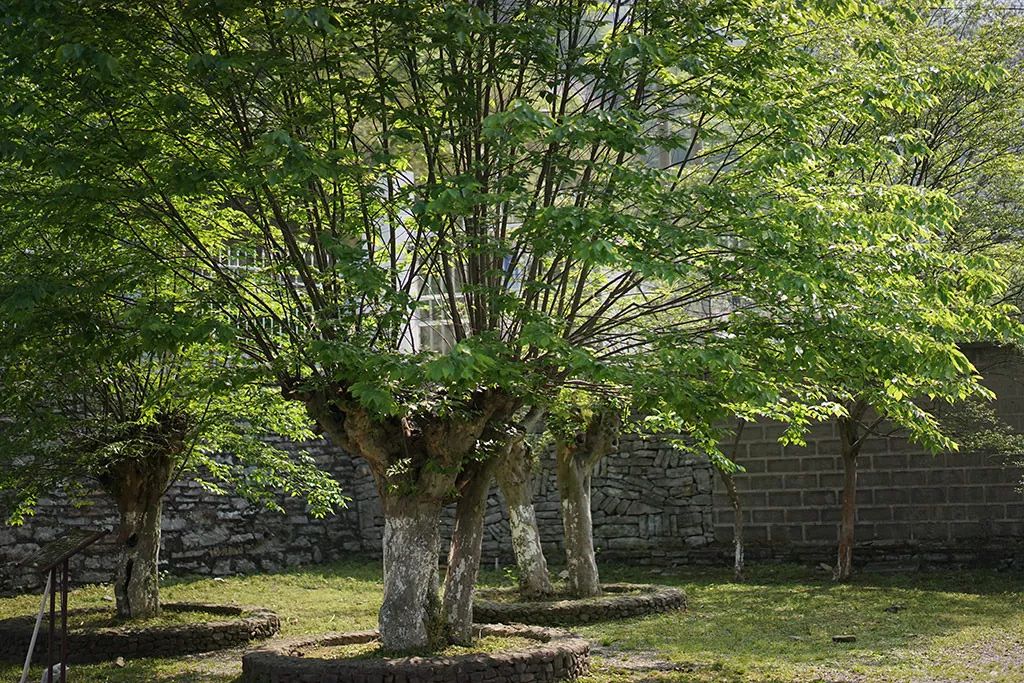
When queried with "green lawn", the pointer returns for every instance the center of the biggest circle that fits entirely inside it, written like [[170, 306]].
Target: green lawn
[[777, 627]]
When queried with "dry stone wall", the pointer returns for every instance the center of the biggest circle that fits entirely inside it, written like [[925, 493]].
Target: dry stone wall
[[203, 533], [651, 505]]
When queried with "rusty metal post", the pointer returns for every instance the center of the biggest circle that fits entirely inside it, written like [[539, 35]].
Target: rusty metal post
[[64, 624], [53, 623]]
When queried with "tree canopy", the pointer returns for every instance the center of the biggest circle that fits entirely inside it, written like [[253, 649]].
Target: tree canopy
[[417, 218]]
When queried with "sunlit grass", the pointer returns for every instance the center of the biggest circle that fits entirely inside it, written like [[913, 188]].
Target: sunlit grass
[[775, 628]]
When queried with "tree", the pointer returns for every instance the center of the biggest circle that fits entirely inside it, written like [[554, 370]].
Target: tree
[[106, 375], [727, 469], [499, 163], [584, 432], [964, 143]]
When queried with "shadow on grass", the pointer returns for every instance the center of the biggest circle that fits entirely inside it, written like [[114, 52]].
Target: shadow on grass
[[777, 626], [781, 622]]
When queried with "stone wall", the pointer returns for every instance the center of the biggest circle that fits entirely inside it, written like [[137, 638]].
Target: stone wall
[[652, 505], [203, 533]]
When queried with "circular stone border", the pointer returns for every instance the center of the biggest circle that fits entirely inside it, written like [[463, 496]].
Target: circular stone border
[[558, 655], [640, 599], [87, 645]]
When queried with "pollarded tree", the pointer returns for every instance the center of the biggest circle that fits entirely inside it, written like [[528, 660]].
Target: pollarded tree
[[543, 188], [584, 431], [107, 377]]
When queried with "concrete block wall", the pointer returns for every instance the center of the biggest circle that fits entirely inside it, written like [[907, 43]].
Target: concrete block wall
[[913, 507], [967, 505]]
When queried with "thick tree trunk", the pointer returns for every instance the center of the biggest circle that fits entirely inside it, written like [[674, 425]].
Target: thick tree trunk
[[138, 486], [137, 585], [847, 517], [575, 463], [737, 524], [577, 524], [410, 617], [415, 460], [464, 552], [515, 479]]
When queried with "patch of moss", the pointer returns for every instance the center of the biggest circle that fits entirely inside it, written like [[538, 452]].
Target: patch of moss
[[373, 650], [109, 619]]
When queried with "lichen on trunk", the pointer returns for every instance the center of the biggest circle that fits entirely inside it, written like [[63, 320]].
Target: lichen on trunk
[[514, 474], [415, 462], [464, 552], [577, 523], [410, 615], [137, 486], [576, 459]]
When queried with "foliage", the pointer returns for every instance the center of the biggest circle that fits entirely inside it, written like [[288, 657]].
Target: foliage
[[963, 143], [979, 429], [103, 358], [579, 188]]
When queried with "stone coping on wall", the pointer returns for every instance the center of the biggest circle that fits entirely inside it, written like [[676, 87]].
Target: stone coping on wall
[[238, 626], [619, 601], [558, 655]]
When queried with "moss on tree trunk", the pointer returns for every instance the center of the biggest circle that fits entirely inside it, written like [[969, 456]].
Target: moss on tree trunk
[[464, 552], [137, 486]]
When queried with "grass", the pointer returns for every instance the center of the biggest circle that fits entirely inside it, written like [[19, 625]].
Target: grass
[[373, 650], [954, 627], [509, 594], [108, 618]]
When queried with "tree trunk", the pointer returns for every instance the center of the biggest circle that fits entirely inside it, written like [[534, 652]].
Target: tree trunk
[[464, 553], [574, 490], [850, 441], [848, 517], [138, 486], [415, 461], [737, 524], [410, 617], [515, 479]]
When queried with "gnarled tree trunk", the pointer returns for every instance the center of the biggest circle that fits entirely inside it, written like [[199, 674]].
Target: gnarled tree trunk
[[138, 486], [575, 463], [415, 463], [464, 552], [577, 524], [515, 479], [410, 615]]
